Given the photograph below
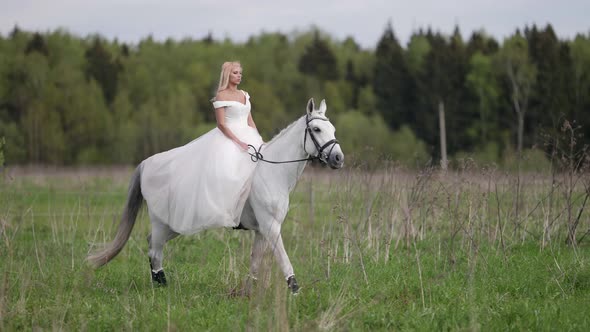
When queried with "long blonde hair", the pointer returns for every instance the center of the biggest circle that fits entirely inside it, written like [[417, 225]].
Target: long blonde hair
[[225, 71]]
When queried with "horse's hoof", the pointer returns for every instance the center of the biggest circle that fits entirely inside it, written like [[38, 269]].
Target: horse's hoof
[[292, 284], [159, 278]]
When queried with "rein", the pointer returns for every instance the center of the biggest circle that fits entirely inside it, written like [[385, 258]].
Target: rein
[[257, 156]]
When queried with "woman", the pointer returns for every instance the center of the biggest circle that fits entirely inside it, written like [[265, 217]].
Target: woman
[[227, 92], [207, 181]]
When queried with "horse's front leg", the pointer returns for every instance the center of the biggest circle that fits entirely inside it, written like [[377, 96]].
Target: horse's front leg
[[272, 234]]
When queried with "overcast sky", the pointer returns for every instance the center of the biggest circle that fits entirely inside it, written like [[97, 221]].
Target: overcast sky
[[365, 20]]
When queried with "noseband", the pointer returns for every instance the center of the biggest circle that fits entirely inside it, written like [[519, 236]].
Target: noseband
[[331, 143]]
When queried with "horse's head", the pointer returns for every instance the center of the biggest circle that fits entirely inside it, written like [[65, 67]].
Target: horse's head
[[320, 140]]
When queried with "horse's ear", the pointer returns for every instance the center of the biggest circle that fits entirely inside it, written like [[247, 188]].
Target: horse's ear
[[310, 106], [323, 107]]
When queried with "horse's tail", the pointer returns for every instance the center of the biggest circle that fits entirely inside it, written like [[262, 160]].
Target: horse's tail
[[134, 202]]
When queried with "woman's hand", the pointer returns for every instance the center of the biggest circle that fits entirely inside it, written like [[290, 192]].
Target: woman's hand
[[243, 145]]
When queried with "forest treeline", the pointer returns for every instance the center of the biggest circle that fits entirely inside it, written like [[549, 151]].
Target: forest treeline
[[68, 100]]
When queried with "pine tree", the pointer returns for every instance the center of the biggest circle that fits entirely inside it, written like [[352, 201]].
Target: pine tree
[[548, 101], [460, 103], [390, 81], [482, 43], [102, 68], [351, 78], [433, 86], [37, 44], [319, 60], [580, 55]]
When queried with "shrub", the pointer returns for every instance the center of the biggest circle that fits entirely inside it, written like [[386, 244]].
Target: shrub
[[489, 154], [533, 160], [408, 149], [366, 140]]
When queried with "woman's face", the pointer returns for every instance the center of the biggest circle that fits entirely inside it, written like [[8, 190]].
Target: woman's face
[[235, 76]]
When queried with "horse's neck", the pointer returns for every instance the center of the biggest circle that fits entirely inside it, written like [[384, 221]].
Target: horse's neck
[[289, 146]]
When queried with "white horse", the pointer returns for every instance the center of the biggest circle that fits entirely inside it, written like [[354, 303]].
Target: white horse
[[268, 201]]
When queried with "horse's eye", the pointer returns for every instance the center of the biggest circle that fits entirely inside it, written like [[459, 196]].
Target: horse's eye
[[316, 129]]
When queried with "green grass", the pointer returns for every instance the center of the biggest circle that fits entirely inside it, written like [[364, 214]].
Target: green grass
[[372, 252]]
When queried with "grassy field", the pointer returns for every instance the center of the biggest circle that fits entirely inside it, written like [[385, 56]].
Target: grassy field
[[374, 251]]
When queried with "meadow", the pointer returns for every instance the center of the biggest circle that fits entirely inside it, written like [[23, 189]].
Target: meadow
[[471, 249]]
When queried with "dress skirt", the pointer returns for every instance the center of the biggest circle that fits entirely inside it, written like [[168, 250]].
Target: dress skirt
[[203, 184]]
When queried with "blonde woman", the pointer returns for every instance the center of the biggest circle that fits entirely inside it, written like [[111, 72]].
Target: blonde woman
[[205, 183], [225, 101]]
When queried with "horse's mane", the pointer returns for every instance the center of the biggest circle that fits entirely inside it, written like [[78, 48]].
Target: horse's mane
[[282, 132]]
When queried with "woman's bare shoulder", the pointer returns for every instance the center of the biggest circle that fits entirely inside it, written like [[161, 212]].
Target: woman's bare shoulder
[[222, 95]]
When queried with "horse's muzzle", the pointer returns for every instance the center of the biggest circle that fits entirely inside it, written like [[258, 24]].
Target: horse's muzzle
[[336, 160]]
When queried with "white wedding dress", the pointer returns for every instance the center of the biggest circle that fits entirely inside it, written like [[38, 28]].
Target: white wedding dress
[[206, 182]]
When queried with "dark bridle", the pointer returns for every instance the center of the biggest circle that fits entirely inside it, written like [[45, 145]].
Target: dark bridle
[[323, 158]]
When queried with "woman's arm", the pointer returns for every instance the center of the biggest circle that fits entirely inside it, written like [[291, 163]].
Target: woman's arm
[[251, 121], [220, 117], [252, 124]]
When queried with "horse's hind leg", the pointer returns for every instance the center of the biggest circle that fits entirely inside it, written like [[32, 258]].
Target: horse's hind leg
[[161, 233]]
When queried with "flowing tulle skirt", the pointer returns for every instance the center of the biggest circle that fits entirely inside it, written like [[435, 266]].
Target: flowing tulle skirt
[[202, 184]]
